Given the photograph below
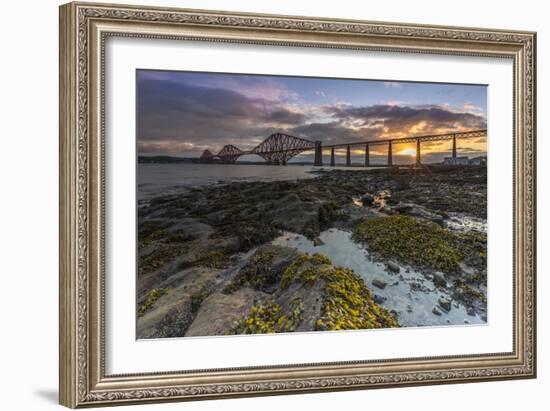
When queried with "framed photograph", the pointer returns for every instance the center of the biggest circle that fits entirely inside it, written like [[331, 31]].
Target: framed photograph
[[260, 204]]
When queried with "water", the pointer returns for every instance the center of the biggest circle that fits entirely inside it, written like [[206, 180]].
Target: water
[[462, 222], [165, 179], [413, 306]]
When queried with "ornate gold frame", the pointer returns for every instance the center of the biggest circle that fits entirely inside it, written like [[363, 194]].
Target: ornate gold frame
[[83, 30]]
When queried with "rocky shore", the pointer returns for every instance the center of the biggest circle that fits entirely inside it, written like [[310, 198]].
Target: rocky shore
[[207, 265]]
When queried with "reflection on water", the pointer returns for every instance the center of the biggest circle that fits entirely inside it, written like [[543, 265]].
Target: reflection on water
[[409, 293]]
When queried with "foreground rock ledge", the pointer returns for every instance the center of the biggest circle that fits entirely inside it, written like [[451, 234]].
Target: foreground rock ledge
[[275, 290]]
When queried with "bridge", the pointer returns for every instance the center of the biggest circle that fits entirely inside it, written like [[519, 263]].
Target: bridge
[[278, 148]]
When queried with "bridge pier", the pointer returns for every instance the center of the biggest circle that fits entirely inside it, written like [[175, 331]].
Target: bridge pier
[[318, 154], [418, 154], [454, 146], [390, 157], [348, 156], [367, 155], [332, 160]]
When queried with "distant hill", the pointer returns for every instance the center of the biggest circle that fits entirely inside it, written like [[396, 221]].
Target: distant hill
[[165, 159], [191, 160]]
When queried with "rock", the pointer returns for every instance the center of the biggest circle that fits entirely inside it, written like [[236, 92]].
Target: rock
[[471, 311], [394, 284], [418, 211], [445, 303], [219, 311], [378, 299], [436, 311], [439, 279], [415, 286], [378, 282], [409, 308], [367, 199], [484, 318], [317, 242], [466, 322], [393, 267]]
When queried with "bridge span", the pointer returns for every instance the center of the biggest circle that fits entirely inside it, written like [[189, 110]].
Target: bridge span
[[278, 148]]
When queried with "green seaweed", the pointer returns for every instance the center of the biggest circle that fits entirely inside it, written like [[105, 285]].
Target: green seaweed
[[213, 259], [347, 301], [266, 317], [420, 243], [152, 297], [257, 273], [159, 257]]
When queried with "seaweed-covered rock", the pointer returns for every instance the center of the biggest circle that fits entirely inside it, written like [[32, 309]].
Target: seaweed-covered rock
[[264, 269], [347, 302], [419, 242], [219, 312]]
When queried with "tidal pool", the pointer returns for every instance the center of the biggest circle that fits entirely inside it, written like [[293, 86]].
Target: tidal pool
[[409, 293]]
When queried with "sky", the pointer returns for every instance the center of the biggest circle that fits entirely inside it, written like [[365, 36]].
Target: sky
[[184, 113]]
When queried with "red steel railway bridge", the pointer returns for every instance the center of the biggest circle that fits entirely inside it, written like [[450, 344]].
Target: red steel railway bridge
[[278, 148]]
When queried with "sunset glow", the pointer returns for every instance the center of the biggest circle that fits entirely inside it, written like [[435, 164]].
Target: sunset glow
[[408, 152], [184, 113]]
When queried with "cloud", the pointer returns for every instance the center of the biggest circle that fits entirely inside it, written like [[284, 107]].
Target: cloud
[[180, 118], [175, 117], [393, 121]]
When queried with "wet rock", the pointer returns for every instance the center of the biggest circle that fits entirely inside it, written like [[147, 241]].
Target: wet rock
[[409, 308], [484, 318], [436, 311], [175, 322], [219, 311], [418, 211], [471, 311], [466, 322], [439, 279], [378, 299], [378, 282], [367, 199], [415, 286], [445, 303], [317, 242], [393, 267]]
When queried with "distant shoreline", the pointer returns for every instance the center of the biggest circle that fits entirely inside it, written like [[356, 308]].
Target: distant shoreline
[[193, 160]]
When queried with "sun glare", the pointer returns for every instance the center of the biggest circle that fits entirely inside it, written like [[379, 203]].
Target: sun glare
[[408, 152]]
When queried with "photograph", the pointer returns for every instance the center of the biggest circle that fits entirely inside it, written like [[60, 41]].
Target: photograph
[[263, 202], [285, 204]]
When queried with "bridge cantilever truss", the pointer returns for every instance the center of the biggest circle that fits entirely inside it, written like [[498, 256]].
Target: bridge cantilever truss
[[206, 155], [278, 148], [230, 153]]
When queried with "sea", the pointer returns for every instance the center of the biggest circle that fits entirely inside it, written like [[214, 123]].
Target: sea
[[165, 179]]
